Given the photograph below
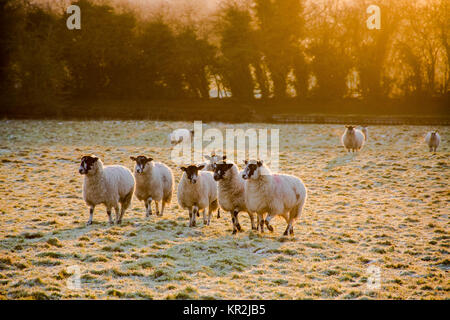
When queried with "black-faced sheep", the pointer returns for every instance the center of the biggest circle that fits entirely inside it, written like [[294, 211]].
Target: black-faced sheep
[[108, 185], [274, 194], [154, 182], [197, 190], [232, 192]]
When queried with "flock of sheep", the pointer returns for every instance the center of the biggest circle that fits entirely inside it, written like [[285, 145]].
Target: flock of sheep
[[203, 188]]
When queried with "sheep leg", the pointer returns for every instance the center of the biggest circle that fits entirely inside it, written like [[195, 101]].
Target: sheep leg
[[235, 214], [233, 221], [261, 223], [148, 206], [190, 218], [116, 209], [91, 215], [108, 212], [205, 220], [252, 220], [218, 213], [209, 215], [267, 221], [122, 211], [163, 204], [157, 207], [194, 212]]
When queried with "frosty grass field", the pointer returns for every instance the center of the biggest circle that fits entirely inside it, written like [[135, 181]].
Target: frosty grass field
[[387, 207]]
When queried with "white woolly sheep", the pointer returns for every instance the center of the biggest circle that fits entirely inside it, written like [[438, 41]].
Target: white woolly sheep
[[197, 190], [274, 194], [213, 159], [433, 139], [352, 139], [177, 136], [154, 182], [365, 132], [209, 166], [232, 192], [108, 185]]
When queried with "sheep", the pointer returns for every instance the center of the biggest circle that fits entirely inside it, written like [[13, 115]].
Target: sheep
[[232, 192], [108, 185], [196, 191], [274, 194], [352, 139], [433, 139], [154, 182], [213, 159], [178, 135], [365, 132]]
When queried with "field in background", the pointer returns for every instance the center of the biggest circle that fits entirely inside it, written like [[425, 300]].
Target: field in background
[[433, 111], [387, 207]]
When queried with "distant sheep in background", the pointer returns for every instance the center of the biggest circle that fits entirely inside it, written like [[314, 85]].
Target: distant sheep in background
[[232, 192], [274, 194], [433, 139], [108, 185], [178, 135], [213, 159], [154, 182], [352, 139], [197, 191], [365, 132]]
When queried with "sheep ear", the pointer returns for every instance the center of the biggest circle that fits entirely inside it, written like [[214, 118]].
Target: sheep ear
[[229, 165], [95, 159], [259, 163], [149, 159], [245, 162], [200, 167], [183, 169], [133, 158]]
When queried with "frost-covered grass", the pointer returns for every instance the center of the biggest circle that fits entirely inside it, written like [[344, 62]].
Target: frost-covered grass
[[388, 207]]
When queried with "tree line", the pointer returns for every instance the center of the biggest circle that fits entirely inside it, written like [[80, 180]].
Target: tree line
[[246, 50]]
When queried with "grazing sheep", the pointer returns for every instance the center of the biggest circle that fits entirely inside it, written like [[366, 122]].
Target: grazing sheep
[[433, 139], [108, 185], [232, 192], [274, 194], [178, 135], [365, 132], [196, 191], [154, 182], [352, 139]]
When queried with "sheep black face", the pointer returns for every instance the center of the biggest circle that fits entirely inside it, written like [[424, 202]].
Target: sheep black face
[[251, 169], [220, 169], [87, 164], [141, 161], [192, 172]]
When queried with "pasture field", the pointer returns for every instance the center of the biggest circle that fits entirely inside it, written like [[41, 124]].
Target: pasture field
[[386, 207]]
